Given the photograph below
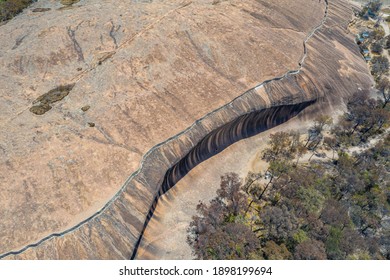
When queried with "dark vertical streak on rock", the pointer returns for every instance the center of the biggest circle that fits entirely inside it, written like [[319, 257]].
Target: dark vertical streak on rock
[[113, 30], [18, 42], [76, 45]]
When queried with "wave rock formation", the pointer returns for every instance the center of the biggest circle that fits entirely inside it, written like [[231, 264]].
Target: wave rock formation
[[106, 105]]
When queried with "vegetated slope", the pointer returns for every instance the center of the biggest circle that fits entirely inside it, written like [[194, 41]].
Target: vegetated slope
[[145, 83], [10, 8], [323, 195]]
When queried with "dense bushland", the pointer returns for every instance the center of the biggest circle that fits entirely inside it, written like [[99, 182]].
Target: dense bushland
[[325, 195]]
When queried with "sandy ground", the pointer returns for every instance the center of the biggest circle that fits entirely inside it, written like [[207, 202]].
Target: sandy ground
[[165, 237]]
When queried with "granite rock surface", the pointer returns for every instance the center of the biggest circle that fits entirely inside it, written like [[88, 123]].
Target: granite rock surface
[[157, 77]]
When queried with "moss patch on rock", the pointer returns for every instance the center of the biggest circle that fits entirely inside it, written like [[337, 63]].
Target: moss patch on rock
[[44, 102], [69, 2], [40, 109], [85, 108]]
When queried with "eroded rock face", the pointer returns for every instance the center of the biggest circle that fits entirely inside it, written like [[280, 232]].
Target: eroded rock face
[[156, 76]]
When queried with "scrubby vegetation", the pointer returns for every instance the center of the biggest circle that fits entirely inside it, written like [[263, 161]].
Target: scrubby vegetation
[[325, 195], [374, 45], [379, 66], [10, 8], [371, 9], [383, 87]]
